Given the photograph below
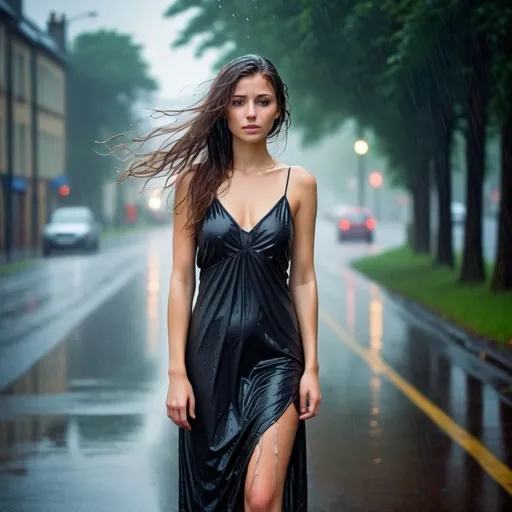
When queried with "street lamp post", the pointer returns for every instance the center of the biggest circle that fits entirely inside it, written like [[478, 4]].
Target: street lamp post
[[376, 180], [88, 14], [361, 148], [57, 28]]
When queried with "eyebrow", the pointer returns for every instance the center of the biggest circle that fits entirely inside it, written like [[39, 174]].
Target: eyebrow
[[258, 96]]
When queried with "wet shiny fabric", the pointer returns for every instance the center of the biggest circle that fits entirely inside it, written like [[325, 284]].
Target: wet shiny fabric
[[244, 360]]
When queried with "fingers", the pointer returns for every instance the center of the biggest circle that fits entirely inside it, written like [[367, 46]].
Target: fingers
[[313, 406], [172, 408], [177, 412], [192, 406], [183, 417], [303, 401]]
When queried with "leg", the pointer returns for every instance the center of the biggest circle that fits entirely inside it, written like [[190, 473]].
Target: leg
[[267, 468]]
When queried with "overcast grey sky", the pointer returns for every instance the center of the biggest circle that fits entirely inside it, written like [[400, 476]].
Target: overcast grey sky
[[177, 71]]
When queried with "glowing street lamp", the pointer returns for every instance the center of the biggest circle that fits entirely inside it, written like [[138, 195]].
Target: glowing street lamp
[[154, 203], [361, 147]]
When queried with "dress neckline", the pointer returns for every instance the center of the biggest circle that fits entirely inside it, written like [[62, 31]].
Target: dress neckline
[[248, 232]]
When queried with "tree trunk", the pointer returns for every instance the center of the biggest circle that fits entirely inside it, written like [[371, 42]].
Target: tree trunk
[[420, 189], [444, 135], [502, 277], [478, 93]]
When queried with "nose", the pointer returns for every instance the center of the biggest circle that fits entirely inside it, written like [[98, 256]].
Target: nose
[[251, 111]]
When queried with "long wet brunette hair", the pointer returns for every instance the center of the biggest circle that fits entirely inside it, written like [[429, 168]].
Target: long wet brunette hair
[[204, 145]]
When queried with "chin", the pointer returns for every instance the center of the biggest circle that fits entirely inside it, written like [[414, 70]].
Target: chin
[[252, 138]]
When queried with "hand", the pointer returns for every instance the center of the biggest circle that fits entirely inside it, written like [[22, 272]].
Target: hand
[[310, 396], [180, 396]]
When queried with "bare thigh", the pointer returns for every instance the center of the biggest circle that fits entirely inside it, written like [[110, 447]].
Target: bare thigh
[[267, 468]]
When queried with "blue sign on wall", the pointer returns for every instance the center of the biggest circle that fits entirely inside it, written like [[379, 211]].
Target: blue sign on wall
[[58, 181], [18, 184]]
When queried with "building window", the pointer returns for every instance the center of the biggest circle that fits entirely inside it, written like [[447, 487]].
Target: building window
[[23, 150], [50, 155], [20, 74], [3, 50], [20, 149], [50, 92], [3, 146]]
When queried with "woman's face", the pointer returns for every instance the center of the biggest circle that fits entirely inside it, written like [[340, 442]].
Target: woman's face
[[252, 109]]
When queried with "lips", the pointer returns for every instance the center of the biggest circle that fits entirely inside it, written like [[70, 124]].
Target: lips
[[250, 127]]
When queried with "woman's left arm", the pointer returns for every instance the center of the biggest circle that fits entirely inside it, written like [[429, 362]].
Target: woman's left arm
[[303, 288]]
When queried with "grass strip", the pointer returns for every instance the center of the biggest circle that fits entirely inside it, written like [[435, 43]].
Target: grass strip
[[473, 307]]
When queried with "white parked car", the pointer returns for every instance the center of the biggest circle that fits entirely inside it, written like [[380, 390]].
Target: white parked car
[[71, 227]]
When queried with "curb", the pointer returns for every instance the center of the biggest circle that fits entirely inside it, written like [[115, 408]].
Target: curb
[[479, 346], [33, 258], [18, 267]]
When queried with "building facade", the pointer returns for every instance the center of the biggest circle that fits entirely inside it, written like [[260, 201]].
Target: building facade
[[32, 125]]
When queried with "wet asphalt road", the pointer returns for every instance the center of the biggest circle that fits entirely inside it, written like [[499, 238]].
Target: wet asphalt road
[[83, 423]]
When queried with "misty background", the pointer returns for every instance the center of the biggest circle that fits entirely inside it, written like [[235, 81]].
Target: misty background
[[179, 74]]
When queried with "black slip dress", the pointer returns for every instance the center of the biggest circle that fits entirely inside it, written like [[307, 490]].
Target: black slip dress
[[244, 359]]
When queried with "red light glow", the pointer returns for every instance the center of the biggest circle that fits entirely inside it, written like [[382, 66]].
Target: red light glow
[[344, 224], [64, 190]]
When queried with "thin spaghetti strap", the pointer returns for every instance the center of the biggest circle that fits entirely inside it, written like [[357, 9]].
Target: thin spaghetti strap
[[287, 180]]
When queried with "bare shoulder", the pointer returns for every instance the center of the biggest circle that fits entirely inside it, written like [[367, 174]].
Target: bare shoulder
[[182, 182], [181, 188], [303, 183]]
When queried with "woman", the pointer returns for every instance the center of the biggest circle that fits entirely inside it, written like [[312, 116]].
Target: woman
[[243, 366]]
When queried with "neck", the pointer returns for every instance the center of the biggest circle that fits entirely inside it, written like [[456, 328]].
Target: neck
[[251, 157]]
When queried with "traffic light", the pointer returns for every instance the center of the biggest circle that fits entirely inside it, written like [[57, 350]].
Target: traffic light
[[375, 179], [64, 190]]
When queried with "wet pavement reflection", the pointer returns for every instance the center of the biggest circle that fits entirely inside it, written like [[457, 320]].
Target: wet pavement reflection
[[85, 427]]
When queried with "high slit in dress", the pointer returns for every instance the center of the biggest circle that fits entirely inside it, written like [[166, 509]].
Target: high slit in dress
[[244, 359]]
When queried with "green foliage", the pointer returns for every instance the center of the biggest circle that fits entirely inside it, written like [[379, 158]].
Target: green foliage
[[495, 18], [107, 75], [472, 306], [390, 64], [325, 92]]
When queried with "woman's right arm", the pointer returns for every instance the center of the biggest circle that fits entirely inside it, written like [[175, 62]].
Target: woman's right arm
[[180, 396]]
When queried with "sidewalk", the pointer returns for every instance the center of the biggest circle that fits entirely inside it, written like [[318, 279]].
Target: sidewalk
[[21, 255]]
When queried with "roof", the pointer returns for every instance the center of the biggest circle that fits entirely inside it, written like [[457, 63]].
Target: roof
[[4, 6], [32, 32]]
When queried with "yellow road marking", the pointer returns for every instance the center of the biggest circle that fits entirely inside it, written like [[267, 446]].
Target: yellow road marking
[[494, 467]]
